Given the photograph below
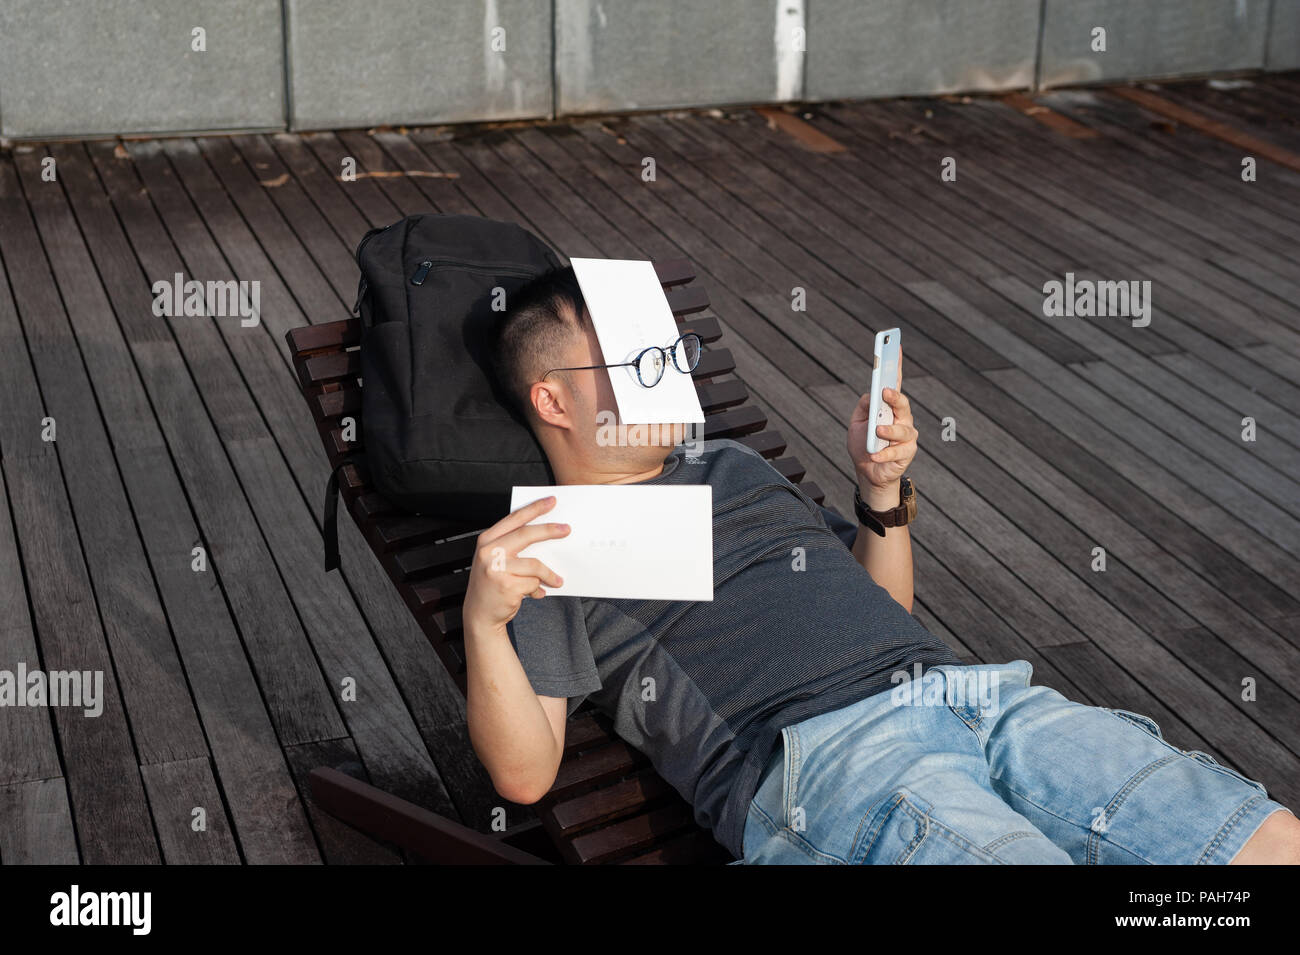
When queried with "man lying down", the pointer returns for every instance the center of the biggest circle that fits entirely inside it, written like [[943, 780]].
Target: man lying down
[[775, 709]]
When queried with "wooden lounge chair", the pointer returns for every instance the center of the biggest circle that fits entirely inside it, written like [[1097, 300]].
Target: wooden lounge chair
[[608, 804]]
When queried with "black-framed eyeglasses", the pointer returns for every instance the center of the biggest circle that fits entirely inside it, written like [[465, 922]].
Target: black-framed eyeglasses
[[651, 362]]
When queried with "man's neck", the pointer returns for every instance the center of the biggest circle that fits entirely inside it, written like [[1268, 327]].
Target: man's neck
[[579, 469], [580, 475], [654, 472]]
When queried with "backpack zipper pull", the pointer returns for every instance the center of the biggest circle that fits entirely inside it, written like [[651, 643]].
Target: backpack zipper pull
[[421, 272], [361, 291]]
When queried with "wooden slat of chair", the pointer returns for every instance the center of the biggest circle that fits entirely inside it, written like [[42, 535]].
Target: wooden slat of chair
[[607, 804]]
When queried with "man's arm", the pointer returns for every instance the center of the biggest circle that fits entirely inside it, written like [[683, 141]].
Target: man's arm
[[512, 728], [887, 559], [517, 734]]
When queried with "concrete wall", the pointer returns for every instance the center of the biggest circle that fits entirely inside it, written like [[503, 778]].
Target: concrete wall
[[1151, 38], [1284, 37], [415, 61], [638, 54], [900, 47], [71, 67], [103, 67]]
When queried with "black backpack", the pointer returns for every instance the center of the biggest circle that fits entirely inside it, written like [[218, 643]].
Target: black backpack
[[439, 436]]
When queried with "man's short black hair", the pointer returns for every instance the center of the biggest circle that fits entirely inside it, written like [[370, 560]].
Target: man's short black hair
[[535, 332]]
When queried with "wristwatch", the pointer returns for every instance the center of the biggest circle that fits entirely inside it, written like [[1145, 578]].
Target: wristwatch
[[905, 513]]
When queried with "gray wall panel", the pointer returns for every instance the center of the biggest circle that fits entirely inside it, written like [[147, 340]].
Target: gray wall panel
[[75, 68], [1284, 37], [861, 48], [1151, 38], [644, 54], [417, 61]]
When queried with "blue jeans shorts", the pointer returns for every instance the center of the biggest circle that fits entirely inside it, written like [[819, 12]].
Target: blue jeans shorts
[[972, 764]]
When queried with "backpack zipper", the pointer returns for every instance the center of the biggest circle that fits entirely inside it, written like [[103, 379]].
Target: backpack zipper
[[422, 271], [363, 284]]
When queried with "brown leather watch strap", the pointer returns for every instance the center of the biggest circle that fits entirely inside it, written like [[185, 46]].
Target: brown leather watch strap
[[898, 516]]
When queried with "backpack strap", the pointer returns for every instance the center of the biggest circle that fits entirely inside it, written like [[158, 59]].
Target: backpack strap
[[330, 524]]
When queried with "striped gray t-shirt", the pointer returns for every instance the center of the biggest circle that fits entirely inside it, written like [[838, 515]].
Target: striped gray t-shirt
[[703, 688]]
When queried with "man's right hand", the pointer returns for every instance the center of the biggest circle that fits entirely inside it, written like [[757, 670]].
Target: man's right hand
[[499, 579]]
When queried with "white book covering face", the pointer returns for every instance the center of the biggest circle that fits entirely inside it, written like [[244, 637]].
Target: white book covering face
[[630, 312]]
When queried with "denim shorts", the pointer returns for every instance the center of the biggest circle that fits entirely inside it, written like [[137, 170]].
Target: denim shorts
[[972, 764]]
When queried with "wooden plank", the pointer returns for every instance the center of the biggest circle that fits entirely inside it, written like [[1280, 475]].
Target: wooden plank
[[1056, 122], [1106, 683], [1275, 569], [27, 747], [926, 618], [1221, 665], [1263, 466], [1246, 106], [378, 719], [1209, 183], [1163, 197], [1212, 154], [987, 635], [1170, 231], [193, 828], [849, 281], [1010, 215], [956, 537], [107, 798], [340, 843], [1160, 388], [299, 702], [1198, 239], [1199, 120], [36, 823], [1279, 363], [164, 724], [806, 135], [862, 218], [268, 822], [856, 244], [387, 817], [297, 229], [1118, 260], [1233, 394], [1136, 564], [1259, 547]]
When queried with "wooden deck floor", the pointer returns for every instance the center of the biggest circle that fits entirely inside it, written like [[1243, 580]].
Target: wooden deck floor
[[224, 685]]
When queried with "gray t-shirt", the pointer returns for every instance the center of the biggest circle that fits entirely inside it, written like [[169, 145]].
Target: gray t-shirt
[[796, 628]]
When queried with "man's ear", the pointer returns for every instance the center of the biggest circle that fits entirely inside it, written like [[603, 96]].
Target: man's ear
[[551, 402]]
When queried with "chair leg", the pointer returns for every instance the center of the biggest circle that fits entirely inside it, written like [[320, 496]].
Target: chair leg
[[385, 816]]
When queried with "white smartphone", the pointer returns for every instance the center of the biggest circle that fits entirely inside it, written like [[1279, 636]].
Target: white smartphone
[[884, 374]]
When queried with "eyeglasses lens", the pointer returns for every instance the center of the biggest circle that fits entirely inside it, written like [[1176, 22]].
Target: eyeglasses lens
[[686, 353], [651, 367]]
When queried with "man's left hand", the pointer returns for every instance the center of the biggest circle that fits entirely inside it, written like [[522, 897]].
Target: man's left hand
[[879, 474]]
